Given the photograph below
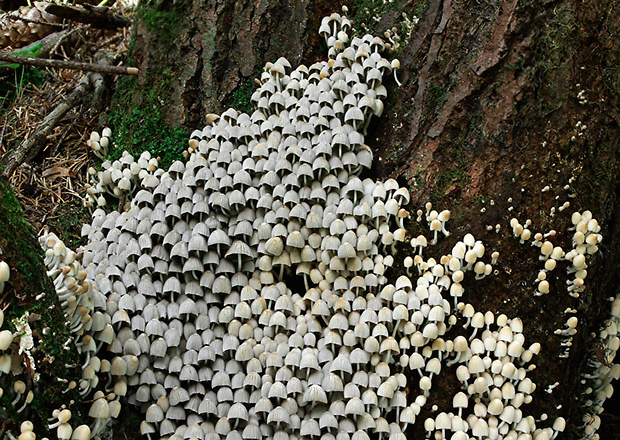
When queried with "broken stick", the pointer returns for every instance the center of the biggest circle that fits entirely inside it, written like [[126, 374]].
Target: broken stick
[[97, 16], [75, 65]]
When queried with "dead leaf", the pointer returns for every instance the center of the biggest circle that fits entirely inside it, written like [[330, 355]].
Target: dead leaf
[[58, 172]]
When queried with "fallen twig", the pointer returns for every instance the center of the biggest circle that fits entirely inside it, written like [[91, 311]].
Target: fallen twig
[[45, 46], [17, 17], [89, 67], [49, 43], [3, 130], [97, 16]]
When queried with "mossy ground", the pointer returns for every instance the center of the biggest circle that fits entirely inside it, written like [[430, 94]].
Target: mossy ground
[[30, 290], [66, 221]]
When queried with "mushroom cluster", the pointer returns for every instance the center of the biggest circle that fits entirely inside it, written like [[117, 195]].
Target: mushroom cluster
[[493, 373], [245, 293], [584, 243], [194, 271], [99, 143], [85, 309], [15, 351], [82, 303], [598, 382], [121, 179]]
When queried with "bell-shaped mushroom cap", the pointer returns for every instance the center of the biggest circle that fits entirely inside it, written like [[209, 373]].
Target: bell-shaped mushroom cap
[[238, 412], [251, 432], [277, 391], [315, 394], [82, 432], [178, 395], [480, 428], [309, 361], [207, 407], [279, 416], [100, 409], [154, 414]]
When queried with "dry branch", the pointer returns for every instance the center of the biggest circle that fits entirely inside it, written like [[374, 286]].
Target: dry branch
[[99, 17], [89, 67], [18, 17]]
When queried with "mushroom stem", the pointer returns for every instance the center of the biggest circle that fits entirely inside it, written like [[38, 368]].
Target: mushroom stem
[[396, 328], [23, 407], [455, 360], [87, 360], [99, 424], [396, 79], [86, 388], [473, 335], [14, 402]]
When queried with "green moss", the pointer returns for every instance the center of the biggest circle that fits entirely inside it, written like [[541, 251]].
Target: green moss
[[436, 97], [31, 291], [159, 19], [557, 42], [240, 99], [454, 174], [18, 237], [136, 115], [372, 16], [144, 129], [419, 7], [67, 221], [367, 13]]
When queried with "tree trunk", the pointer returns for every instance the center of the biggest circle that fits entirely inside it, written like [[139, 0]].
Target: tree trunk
[[30, 290], [492, 110]]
